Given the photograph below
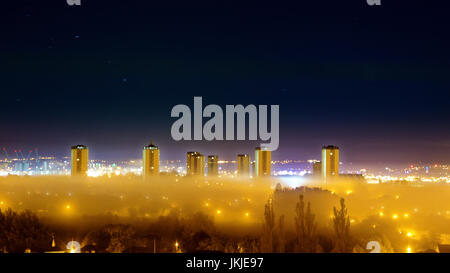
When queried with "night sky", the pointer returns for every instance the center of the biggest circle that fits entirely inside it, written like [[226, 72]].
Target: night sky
[[374, 81]]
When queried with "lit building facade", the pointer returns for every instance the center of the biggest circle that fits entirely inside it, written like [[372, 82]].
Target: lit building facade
[[150, 160], [243, 165], [317, 168], [262, 162], [213, 165], [195, 163], [330, 162], [79, 160]]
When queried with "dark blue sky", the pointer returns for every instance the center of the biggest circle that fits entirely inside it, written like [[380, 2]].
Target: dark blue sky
[[372, 80]]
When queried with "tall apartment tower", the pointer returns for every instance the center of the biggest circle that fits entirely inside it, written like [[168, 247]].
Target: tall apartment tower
[[243, 165], [195, 163], [330, 162], [79, 160], [150, 160], [262, 162], [213, 165]]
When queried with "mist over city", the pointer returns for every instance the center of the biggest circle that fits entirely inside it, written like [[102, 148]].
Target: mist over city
[[220, 127], [251, 204]]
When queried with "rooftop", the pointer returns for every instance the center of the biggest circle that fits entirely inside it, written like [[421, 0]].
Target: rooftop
[[331, 147], [79, 146]]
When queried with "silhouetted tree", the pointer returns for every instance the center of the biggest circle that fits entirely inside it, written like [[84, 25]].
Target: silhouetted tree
[[192, 227], [341, 224], [99, 238], [281, 238], [326, 243], [200, 241], [267, 240], [305, 226], [121, 237], [19, 231], [251, 245]]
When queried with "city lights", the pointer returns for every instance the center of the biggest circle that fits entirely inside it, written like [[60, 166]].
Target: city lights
[[222, 136], [150, 189]]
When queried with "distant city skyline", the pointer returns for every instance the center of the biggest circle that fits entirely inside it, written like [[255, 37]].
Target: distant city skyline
[[181, 154]]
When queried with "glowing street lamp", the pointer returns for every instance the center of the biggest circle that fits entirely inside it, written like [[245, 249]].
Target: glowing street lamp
[[73, 247], [177, 247], [408, 249]]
